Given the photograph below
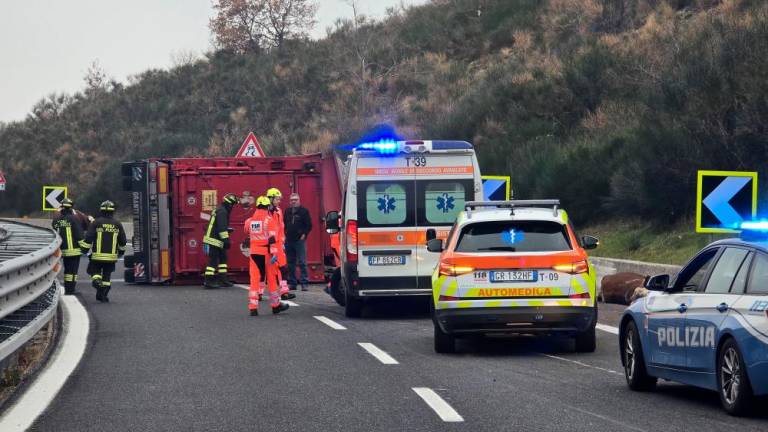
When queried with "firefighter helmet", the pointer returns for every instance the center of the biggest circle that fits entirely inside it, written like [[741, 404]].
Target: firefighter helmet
[[67, 203], [230, 198], [107, 206], [274, 192], [262, 201]]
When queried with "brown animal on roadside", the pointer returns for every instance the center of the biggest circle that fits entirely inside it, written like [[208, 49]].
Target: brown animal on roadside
[[619, 287]]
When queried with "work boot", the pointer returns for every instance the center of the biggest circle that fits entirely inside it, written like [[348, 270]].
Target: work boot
[[279, 308], [254, 312], [105, 293], [211, 282], [288, 296], [304, 287], [225, 282]]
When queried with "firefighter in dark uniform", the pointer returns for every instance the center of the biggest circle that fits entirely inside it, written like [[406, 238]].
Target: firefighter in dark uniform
[[217, 242], [71, 232], [106, 240]]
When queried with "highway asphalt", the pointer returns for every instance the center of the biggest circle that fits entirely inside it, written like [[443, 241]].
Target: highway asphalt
[[180, 358]]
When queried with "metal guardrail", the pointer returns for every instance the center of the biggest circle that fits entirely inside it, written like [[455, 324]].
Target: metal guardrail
[[29, 294]]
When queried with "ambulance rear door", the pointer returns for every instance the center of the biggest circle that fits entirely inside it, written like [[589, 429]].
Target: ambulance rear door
[[444, 182], [387, 232]]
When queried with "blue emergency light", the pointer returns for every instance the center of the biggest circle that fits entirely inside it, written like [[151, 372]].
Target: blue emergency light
[[754, 230], [385, 147]]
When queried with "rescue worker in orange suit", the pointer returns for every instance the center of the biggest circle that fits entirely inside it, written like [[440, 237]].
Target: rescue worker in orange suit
[[264, 255], [72, 235], [106, 240], [275, 196], [216, 242]]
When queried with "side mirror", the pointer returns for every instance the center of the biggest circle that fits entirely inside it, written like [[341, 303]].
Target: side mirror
[[431, 234], [435, 245], [332, 222], [590, 242], [657, 283]]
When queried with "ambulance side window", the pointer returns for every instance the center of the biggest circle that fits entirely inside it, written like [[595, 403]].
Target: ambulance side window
[[758, 281]]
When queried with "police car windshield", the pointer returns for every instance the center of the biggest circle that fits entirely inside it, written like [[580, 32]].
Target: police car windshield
[[513, 236]]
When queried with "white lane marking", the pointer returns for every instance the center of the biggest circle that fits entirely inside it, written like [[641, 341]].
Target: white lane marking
[[582, 364], [438, 404], [380, 354], [607, 419], [46, 386], [330, 323], [288, 302], [607, 328]]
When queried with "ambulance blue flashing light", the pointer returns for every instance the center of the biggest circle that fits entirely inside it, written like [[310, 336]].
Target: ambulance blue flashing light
[[384, 147]]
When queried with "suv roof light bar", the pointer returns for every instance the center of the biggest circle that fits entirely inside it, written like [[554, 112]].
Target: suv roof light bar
[[511, 205]]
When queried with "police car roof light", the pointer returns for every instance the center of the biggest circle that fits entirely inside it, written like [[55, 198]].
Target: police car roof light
[[754, 230]]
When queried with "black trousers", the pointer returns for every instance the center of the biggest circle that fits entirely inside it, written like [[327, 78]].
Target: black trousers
[[71, 266], [217, 261], [102, 270]]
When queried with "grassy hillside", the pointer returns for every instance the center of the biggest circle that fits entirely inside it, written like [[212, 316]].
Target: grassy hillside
[[610, 105], [642, 241]]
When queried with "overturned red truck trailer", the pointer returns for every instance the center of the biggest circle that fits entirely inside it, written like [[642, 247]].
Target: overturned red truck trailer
[[172, 200]]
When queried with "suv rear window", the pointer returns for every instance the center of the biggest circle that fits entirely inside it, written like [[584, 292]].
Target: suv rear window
[[513, 236]]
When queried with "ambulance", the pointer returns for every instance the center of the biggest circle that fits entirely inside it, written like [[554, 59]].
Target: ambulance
[[397, 195]]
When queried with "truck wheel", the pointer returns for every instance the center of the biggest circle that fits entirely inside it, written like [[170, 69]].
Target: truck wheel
[[128, 261], [732, 381], [586, 341], [336, 291], [353, 307], [634, 362], [444, 343]]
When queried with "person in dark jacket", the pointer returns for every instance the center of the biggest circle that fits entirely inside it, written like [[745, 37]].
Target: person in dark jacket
[[106, 239], [71, 232], [298, 224], [217, 243]]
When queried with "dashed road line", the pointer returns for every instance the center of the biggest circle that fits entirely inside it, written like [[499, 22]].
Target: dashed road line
[[329, 322], [582, 364], [64, 360], [380, 355], [607, 328], [438, 405]]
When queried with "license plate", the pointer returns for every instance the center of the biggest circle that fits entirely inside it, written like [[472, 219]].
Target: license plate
[[385, 260], [513, 276]]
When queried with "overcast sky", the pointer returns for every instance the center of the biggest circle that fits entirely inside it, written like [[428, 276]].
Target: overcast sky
[[47, 46]]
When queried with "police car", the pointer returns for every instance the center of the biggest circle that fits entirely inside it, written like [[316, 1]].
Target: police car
[[513, 267], [708, 326]]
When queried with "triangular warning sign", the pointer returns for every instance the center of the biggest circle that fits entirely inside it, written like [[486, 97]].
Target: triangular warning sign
[[250, 148]]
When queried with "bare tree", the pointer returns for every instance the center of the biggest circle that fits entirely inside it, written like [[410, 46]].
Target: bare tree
[[251, 25], [288, 19]]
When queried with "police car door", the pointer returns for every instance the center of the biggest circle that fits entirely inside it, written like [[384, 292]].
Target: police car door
[[667, 313], [750, 315], [709, 307], [387, 232]]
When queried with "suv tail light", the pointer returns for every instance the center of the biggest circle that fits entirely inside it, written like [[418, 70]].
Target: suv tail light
[[572, 268], [584, 295], [352, 241], [453, 270], [447, 298]]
